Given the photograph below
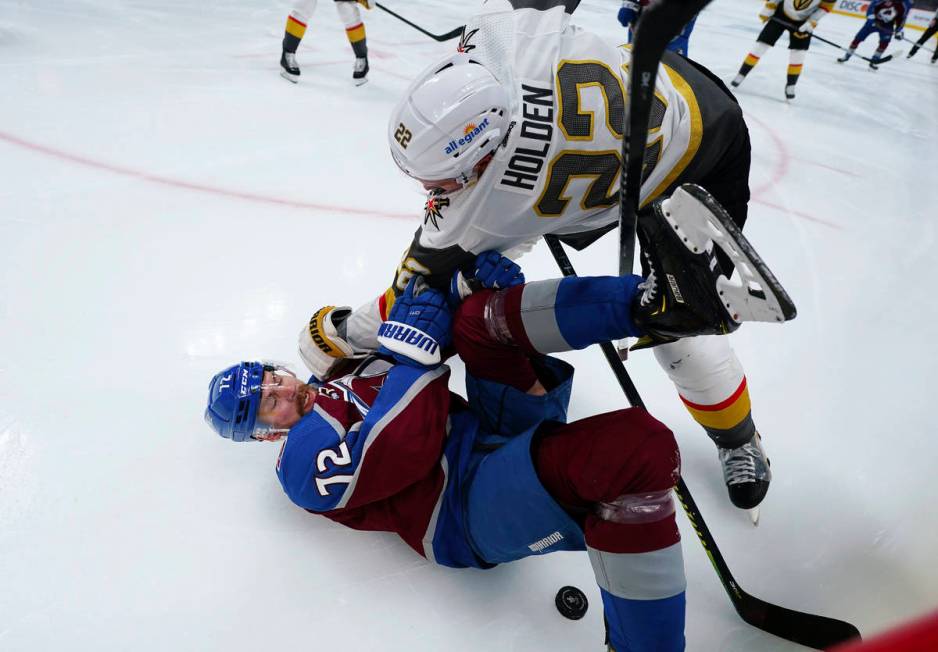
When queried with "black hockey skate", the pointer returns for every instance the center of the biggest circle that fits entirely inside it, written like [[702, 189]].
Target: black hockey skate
[[288, 68], [747, 473], [844, 58], [360, 71], [790, 92], [685, 292]]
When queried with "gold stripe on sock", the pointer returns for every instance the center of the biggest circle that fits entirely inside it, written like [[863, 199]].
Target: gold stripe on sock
[[295, 27], [356, 33]]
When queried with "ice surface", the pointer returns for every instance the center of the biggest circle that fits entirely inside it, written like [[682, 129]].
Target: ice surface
[[169, 205]]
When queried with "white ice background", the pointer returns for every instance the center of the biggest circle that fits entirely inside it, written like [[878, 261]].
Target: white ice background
[[169, 205]]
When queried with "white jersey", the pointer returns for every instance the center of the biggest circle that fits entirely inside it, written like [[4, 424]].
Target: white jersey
[[801, 10], [558, 170]]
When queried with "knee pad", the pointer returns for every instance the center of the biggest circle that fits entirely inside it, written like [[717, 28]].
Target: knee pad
[[348, 12], [643, 494], [303, 10], [704, 369]]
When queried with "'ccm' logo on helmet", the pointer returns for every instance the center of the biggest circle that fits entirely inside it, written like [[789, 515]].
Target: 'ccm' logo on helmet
[[403, 135], [472, 132]]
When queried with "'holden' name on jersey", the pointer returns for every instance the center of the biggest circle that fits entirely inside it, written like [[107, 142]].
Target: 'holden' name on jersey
[[537, 129]]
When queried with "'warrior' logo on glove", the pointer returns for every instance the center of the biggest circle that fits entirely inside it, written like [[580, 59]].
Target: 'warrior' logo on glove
[[410, 342]]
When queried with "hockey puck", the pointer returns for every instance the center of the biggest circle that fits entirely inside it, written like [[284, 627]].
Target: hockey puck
[[571, 602]]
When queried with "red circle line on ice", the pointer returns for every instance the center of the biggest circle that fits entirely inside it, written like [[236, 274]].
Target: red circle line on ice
[[198, 187], [779, 173]]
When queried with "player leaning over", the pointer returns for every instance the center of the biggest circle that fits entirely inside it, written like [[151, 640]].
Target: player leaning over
[[299, 19], [384, 445], [798, 18], [929, 32], [883, 17], [535, 149]]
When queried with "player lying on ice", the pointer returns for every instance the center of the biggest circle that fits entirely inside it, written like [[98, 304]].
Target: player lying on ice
[[518, 135], [383, 444]]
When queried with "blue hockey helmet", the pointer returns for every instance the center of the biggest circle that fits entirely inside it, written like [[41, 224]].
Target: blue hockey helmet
[[234, 396]]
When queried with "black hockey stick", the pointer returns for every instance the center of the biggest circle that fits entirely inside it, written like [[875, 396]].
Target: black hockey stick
[[917, 46], [453, 33], [788, 25], [818, 632], [657, 25]]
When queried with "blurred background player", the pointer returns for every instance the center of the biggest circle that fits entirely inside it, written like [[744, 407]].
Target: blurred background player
[[632, 9], [798, 18], [297, 22], [929, 32], [885, 17]]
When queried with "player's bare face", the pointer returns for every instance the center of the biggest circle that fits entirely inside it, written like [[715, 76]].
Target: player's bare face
[[446, 185], [284, 400], [452, 185]]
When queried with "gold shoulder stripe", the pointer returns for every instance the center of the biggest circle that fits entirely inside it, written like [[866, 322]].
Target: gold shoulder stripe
[[696, 132]]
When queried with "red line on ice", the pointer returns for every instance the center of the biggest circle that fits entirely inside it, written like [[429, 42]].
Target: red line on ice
[[198, 187], [780, 172]]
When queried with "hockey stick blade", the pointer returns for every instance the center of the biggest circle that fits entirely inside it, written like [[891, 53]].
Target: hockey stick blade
[[448, 36], [752, 293], [831, 43], [818, 632]]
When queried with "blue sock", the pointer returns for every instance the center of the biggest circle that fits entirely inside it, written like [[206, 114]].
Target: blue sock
[[645, 625], [596, 309]]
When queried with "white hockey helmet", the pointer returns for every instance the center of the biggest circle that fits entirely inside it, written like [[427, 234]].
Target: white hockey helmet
[[452, 115]]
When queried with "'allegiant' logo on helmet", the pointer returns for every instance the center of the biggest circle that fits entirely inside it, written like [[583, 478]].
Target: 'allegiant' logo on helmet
[[472, 132]]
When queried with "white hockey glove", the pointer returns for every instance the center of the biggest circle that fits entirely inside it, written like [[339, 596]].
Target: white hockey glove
[[767, 10], [320, 344], [809, 25]]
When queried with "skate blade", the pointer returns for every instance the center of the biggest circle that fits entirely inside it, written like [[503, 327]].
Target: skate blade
[[290, 78], [753, 293], [360, 82], [754, 516]]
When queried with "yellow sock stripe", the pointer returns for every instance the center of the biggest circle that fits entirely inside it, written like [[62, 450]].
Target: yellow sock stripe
[[295, 27], [724, 415], [751, 59], [795, 69], [356, 33]]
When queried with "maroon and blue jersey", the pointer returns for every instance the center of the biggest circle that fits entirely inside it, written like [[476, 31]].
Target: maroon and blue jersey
[[389, 448], [378, 452], [887, 14]]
